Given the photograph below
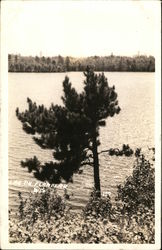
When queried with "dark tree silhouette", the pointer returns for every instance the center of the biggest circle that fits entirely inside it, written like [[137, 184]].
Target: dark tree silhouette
[[67, 63], [71, 130]]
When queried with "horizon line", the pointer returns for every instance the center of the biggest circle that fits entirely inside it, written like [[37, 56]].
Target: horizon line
[[111, 54]]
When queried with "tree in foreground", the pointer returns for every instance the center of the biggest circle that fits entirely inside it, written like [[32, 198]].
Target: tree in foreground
[[71, 131]]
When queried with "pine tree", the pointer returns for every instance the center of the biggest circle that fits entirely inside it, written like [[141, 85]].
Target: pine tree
[[71, 131]]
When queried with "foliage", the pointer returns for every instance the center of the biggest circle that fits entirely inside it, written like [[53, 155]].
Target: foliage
[[139, 63], [42, 205], [73, 228], [46, 217], [72, 130], [98, 207], [126, 150], [138, 191], [137, 229]]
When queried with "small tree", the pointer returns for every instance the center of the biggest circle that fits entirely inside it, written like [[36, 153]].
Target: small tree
[[72, 130]]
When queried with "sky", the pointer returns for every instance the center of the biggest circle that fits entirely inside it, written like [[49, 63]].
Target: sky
[[81, 28]]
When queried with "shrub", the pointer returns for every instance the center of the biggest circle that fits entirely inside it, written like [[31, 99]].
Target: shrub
[[42, 205], [138, 191], [98, 207], [45, 218], [135, 203]]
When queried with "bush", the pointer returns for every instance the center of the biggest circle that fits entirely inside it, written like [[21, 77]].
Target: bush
[[42, 205], [138, 191], [45, 218], [98, 207], [135, 203], [36, 215]]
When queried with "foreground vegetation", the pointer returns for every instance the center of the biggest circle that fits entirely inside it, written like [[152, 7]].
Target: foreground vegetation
[[139, 63], [44, 217]]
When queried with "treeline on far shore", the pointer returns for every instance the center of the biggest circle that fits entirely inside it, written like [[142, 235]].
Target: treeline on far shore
[[138, 63]]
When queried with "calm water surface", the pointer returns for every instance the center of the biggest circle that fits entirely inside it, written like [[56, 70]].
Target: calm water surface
[[134, 126]]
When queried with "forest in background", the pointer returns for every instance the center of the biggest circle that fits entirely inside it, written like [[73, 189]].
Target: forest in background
[[138, 63]]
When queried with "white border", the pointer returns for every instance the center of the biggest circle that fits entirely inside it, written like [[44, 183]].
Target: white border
[[4, 154], [4, 130]]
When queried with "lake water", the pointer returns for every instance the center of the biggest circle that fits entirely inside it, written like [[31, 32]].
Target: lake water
[[134, 126]]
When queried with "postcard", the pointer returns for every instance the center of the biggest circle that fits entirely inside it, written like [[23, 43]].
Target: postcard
[[80, 124]]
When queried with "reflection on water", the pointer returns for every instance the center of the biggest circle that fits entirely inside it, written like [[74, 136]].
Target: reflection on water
[[134, 126]]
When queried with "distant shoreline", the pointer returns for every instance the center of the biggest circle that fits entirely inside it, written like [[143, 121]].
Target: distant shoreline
[[59, 64]]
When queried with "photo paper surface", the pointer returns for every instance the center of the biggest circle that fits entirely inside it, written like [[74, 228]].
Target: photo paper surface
[[80, 127]]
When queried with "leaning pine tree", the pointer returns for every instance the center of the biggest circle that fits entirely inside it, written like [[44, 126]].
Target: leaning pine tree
[[71, 131]]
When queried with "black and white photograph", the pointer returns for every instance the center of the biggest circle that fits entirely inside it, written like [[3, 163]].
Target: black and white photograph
[[80, 127]]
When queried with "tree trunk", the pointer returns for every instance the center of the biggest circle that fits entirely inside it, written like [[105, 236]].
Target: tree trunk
[[96, 167]]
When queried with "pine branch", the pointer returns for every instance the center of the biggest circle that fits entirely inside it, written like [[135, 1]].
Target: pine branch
[[86, 163], [104, 151]]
